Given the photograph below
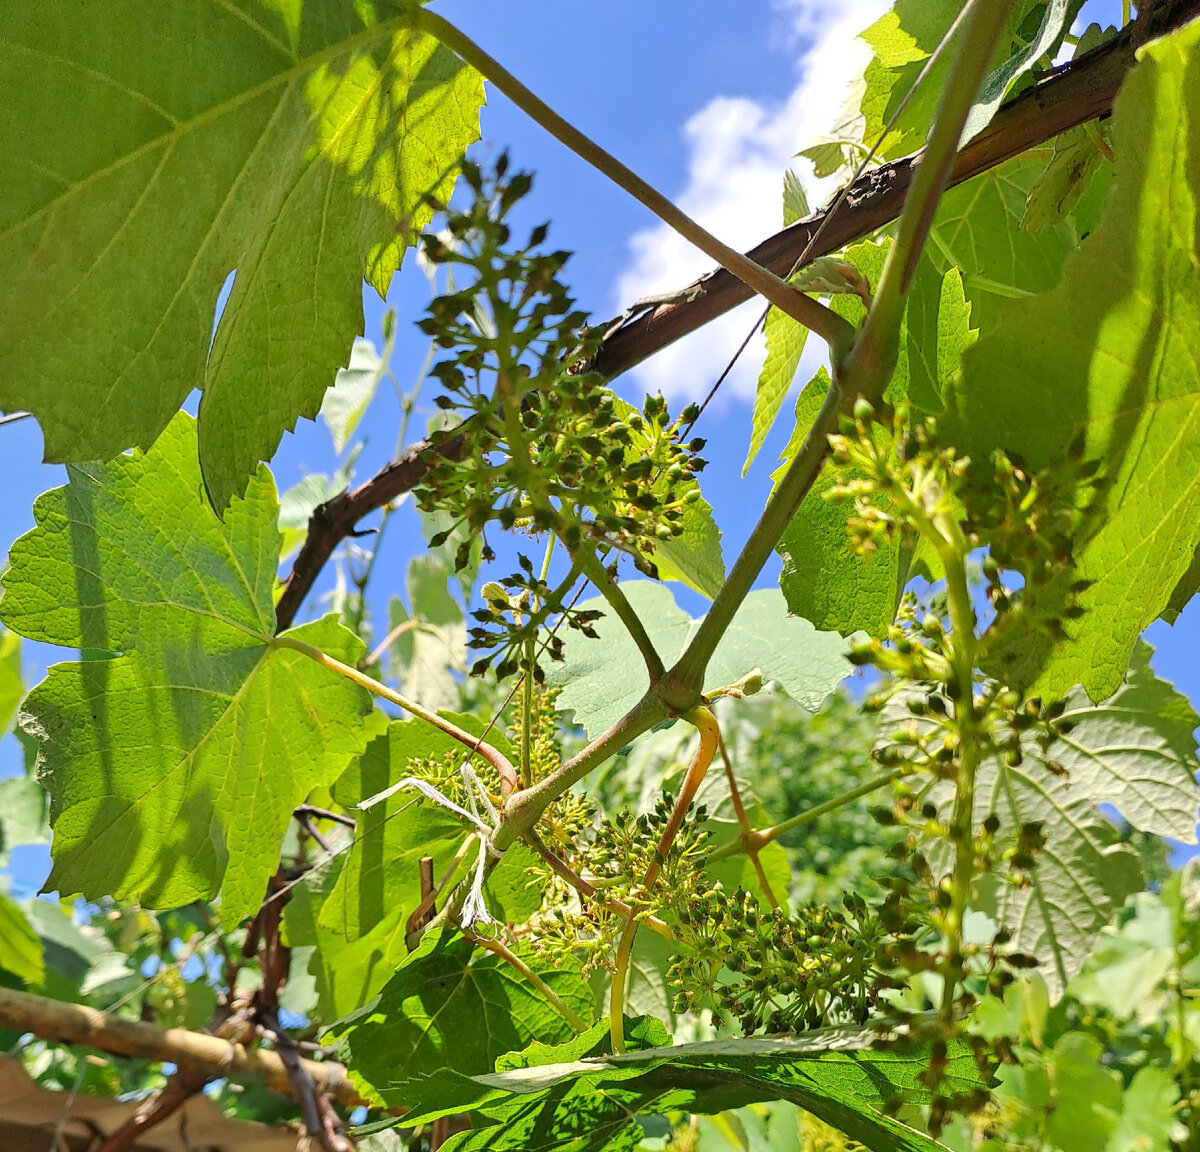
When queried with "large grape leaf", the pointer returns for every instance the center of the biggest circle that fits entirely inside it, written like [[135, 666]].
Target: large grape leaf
[[581, 1098], [176, 749], [152, 149], [451, 1004], [1137, 752], [822, 580], [602, 679], [1108, 358]]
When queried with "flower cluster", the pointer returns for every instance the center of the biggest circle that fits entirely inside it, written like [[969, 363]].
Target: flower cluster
[[539, 444]]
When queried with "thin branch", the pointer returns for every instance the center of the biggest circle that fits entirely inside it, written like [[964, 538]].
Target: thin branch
[[765, 836], [496, 758], [1076, 93], [78, 1024], [807, 311], [543, 989], [749, 838], [593, 568]]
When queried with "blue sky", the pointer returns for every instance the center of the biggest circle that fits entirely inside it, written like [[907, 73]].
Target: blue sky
[[708, 100]]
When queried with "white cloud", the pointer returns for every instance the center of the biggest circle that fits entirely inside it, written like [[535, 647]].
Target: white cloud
[[738, 151]]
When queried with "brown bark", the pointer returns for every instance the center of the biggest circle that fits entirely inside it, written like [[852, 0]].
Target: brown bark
[[78, 1024]]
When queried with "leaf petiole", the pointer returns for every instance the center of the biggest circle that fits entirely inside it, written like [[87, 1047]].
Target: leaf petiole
[[497, 759]]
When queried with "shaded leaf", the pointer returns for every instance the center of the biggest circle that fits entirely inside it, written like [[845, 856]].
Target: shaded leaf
[[174, 766], [450, 1004], [354, 387], [590, 1101], [346, 973], [22, 815], [1064, 180], [20, 946], [154, 151], [433, 643], [380, 878], [597, 679]]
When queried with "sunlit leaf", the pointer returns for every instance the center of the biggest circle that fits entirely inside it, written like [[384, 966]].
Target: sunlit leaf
[[152, 152], [174, 765]]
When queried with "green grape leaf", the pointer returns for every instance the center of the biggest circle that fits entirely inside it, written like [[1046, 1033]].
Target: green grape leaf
[[785, 345], [1148, 1113], [823, 581], [151, 156], [1063, 181], [80, 963], [380, 875], [1057, 17], [795, 199], [1106, 359], [596, 675], [978, 230], [450, 1003], [785, 340], [22, 815], [173, 765], [10, 678], [1137, 752], [694, 557], [1087, 1097], [354, 387], [590, 1101], [20, 945], [346, 973]]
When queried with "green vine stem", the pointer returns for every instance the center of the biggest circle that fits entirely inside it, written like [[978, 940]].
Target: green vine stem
[[592, 567], [543, 989], [702, 719], [749, 838], [496, 758], [867, 368], [804, 309], [952, 550], [764, 837]]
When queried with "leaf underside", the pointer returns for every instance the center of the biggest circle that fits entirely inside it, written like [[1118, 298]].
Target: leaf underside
[[154, 149]]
